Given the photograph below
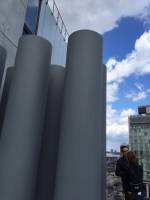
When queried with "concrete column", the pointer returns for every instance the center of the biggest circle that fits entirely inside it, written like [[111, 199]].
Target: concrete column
[[48, 161], [23, 124], [2, 62], [5, 94], [79, 163], [103, 134]]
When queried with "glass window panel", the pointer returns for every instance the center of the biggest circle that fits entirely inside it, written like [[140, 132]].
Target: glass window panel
[[31, 15]]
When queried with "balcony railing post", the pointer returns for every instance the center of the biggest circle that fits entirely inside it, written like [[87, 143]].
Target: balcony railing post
[[53, 7], [58, 17], [57, 20], [61, 30], [38, 16], [147, 190]]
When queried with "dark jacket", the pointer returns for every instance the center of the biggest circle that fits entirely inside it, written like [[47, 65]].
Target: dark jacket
[[134, 175], [129, 173], [121, 169]]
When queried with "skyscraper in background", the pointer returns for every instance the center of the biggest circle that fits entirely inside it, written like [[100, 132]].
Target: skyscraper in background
[[139, 140]]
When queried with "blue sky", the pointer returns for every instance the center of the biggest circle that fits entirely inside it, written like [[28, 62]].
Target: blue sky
[[134, 89], [121, 40], [124, 25]]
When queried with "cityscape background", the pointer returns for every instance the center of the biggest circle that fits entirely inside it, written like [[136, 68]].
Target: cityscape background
[[126, 49]]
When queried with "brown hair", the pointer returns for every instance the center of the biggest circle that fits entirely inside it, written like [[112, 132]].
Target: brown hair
[[131, 157], [123, 146]]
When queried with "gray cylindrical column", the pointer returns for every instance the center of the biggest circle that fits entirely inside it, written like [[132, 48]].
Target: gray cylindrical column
[[48, 161], [78, 169], [24, 118], [2, 62], [103, 134], [5, 94]]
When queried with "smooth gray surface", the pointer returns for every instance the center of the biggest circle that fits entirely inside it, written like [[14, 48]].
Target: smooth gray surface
[[2, 62], [103, 133], [5, 94], [48, 161], [79, 163], [23, 125]]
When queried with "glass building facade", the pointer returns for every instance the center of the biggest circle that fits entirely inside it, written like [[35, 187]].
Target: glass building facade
[[40, 17], [22, 17], [139, 139], [44, 18], [31, 17]]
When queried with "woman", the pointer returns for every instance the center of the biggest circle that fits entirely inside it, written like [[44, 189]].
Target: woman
[[134, 178]]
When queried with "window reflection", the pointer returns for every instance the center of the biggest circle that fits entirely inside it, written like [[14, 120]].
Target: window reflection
[[31, 17]]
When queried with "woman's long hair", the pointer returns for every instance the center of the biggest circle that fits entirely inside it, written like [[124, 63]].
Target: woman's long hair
[[131, 158]]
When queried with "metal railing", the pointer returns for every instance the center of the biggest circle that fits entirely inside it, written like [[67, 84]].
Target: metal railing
[[147, 184], [59, 21]]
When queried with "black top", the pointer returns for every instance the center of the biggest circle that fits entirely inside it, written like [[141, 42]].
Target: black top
[[121, 169], [129, 173]]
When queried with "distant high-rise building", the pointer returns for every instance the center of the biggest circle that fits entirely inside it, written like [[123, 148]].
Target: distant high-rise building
[[139, 138]]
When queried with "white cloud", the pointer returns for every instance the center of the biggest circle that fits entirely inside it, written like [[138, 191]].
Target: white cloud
[[142, 93], [136, 96], [125, 113], [139, 86], [98, 15], [145, 17], [137, 62], [112, 62], [112, 90], [117, 127], [117, 122]]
